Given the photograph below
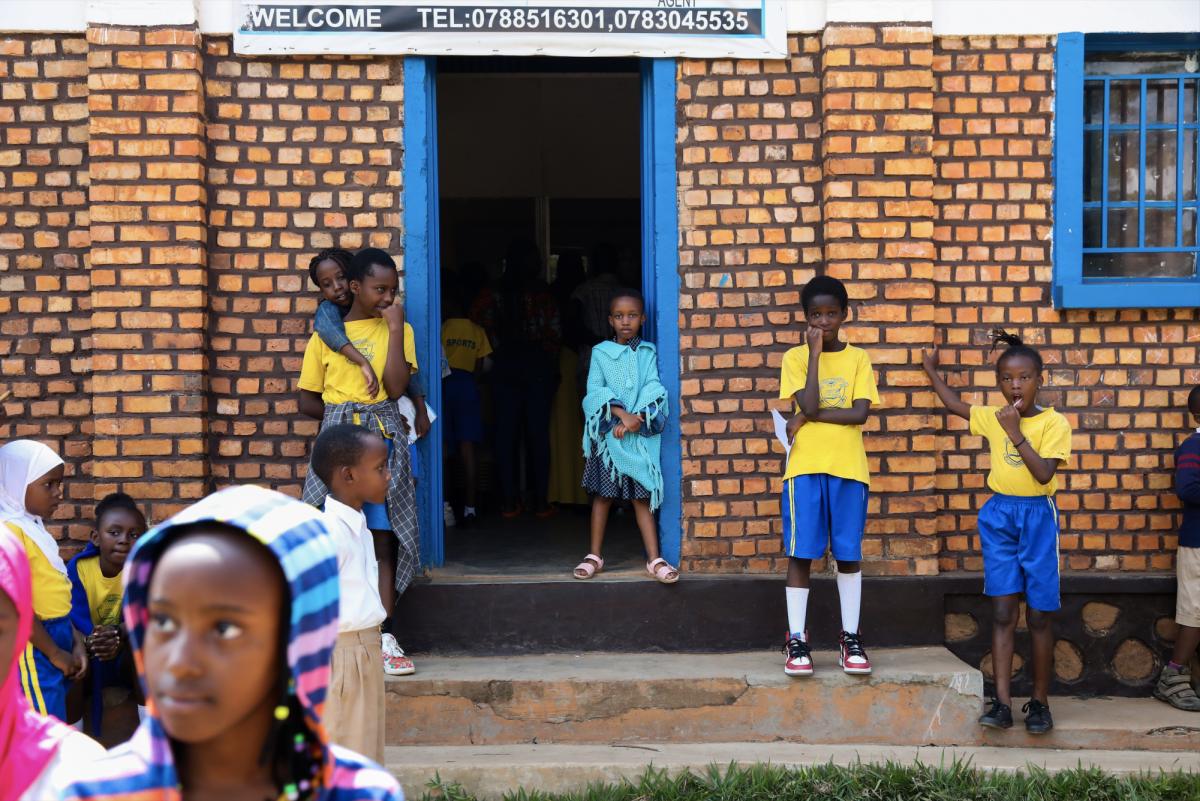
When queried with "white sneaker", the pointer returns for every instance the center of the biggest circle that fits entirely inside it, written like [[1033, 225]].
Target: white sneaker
[[395, 663], [448, 515]]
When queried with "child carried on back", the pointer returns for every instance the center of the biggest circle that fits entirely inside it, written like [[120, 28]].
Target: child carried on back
[[625, 412]]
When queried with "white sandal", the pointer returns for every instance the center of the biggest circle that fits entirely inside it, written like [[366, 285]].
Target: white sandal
[[588, 568], [661, 572]]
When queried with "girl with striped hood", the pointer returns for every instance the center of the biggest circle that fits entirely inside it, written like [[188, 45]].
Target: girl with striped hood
[[232, 610]]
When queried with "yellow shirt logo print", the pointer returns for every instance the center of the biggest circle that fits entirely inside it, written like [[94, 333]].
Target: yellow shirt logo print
[[1010, 454], [833, 393]]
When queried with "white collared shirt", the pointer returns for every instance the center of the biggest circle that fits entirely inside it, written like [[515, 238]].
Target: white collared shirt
[[358, 573]]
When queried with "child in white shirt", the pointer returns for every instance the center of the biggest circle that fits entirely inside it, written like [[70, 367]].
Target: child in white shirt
[[352, 462]]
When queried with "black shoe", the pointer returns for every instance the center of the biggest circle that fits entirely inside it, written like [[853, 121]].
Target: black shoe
[[998, 716], [469, 521], [1038, 721]]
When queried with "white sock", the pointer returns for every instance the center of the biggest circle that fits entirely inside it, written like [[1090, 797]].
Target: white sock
[[850, 594], [141, 713], [797, 608], [78, 725], [468, 510]]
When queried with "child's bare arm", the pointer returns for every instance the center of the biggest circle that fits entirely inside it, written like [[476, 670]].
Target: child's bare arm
[[311, 404], [352, 353], [60, 658], [1040, 468], [856, 415], [809, 398], [395, 370], [953, 403]]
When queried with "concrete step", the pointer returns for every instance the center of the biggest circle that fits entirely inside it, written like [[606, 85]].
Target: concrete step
[[487, 772], [916, 696]]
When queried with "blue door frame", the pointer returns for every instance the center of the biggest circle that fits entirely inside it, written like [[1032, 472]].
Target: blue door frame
[[660, 277]]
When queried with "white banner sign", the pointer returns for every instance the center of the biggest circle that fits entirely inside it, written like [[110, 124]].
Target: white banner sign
[[648, 28]]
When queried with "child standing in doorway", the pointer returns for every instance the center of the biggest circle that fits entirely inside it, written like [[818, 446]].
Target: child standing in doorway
[[465, 345], [625, 412], [826, 484], [332, 390], [1018, 526]]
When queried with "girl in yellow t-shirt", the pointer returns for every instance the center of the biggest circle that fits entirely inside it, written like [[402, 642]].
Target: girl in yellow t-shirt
[[30, 489], [1018, 526]]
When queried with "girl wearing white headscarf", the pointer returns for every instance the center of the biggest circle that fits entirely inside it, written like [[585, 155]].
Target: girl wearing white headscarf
[[31, 488]]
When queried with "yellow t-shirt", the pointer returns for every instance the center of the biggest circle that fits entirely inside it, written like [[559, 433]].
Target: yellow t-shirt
[[104, 594], [337, 378], [1050, 435], [464, 343], [51, 589], [845, 376]]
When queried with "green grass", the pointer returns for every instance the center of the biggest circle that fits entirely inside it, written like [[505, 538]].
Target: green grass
[[957, 781]]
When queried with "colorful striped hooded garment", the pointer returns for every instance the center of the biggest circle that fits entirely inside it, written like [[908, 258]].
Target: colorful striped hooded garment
[[143, 768]]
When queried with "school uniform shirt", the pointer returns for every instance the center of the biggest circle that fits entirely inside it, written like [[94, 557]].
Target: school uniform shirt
[[51, 589], [837, 450], [1048, 433], [464, 342], [358, 572], [340, 380], [104, 593]]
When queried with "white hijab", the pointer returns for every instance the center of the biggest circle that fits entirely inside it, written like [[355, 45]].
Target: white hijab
[[21, 463]]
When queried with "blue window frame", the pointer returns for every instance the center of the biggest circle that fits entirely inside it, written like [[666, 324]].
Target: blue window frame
[[1127, 122]]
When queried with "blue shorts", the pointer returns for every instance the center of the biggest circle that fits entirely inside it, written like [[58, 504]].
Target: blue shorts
[[462, 414], [412, 457], [43, 683], [1020, 548], [376, 513], [822, 511]]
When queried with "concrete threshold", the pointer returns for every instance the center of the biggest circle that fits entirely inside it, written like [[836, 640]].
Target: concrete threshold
[[487, 772]]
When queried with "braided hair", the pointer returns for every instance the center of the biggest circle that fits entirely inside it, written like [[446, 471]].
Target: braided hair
[[1015, 348], [339, 255], [291, 747]]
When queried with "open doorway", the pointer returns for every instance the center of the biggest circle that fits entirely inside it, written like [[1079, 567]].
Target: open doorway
[[545, 151]]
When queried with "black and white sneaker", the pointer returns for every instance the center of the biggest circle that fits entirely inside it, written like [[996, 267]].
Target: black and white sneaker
[[1038, 720], [998, 716]]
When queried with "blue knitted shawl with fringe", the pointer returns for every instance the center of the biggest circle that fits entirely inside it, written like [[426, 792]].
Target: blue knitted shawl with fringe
[[630, 377]]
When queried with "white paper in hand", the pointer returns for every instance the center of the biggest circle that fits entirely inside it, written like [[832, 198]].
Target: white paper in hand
[[781, 430]]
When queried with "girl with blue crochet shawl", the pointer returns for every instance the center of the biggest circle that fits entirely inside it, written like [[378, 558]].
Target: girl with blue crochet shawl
[[625, 412]]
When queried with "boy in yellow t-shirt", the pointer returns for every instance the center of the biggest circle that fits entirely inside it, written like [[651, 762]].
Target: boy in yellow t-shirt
[[334, 390], [1018, 526], [466, 345], [825, 486], [96, 600]]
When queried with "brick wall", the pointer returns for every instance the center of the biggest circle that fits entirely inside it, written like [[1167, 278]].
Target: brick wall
[[303, 155], [148, 266], [1121, 377], [44, 288], [915, 169], [750, 182], [934, 204]]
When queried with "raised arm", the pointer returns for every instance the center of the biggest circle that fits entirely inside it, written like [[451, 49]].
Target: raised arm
[[953, 403], [395, 370], [810, 396]]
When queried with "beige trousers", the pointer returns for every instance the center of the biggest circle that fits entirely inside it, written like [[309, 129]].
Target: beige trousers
[[354, 704]]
